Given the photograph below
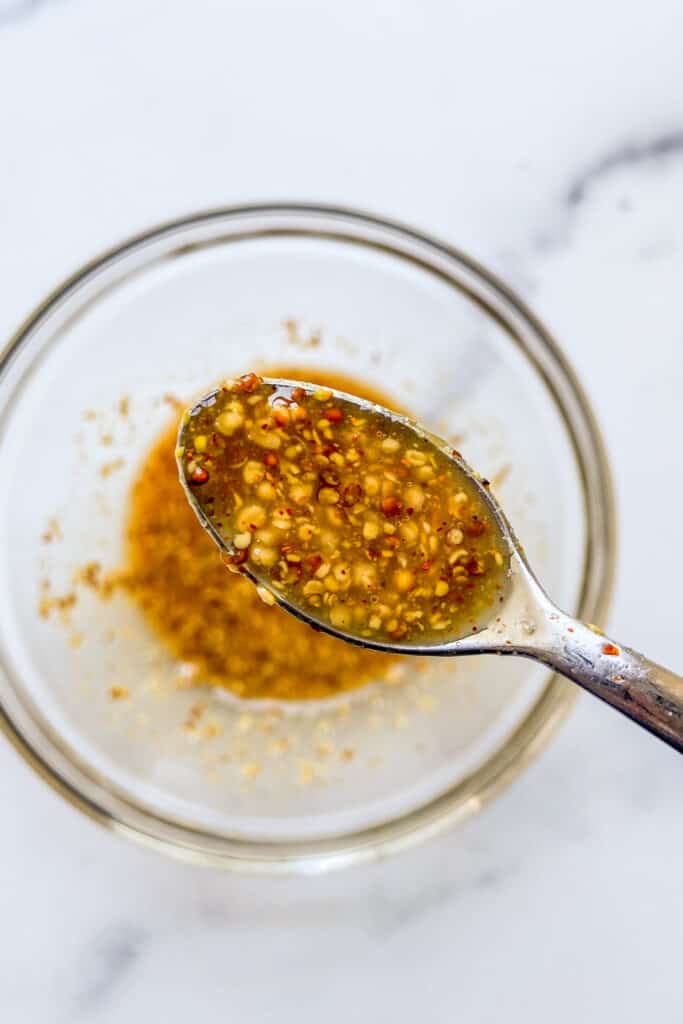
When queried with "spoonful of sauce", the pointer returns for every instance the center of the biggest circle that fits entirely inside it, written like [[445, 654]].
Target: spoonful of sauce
[[363, 524]]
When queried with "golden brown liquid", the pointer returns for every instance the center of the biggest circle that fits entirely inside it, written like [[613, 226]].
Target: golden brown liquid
[[214, 620], [350, 515]]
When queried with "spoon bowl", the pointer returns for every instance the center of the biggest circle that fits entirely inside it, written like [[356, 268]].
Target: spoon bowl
[[223, 533]]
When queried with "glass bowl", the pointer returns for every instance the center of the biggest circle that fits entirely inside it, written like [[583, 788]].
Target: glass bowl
[[83, 388]]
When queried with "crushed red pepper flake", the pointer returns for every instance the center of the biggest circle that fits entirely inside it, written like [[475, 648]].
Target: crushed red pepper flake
[[199, 476], [391, 507]]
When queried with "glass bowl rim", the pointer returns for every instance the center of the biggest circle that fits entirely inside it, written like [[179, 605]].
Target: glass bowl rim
[[553, 704]]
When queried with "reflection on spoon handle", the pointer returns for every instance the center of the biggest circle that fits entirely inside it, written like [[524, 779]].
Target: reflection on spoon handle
[[650, 695]]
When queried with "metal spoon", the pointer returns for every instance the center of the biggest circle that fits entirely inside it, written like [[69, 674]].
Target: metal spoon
[[527, 623]]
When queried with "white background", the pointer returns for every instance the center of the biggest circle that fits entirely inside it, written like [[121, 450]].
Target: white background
[[547, 139]]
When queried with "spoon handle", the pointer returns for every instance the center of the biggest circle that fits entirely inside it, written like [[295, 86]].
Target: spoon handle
[[648, 694]]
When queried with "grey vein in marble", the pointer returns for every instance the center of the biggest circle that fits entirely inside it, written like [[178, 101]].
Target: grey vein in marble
[[518, 266], [12, 11], [111, 958], [621, 157]]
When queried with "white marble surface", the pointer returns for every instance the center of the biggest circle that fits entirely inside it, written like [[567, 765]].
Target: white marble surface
[[546, 139]]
